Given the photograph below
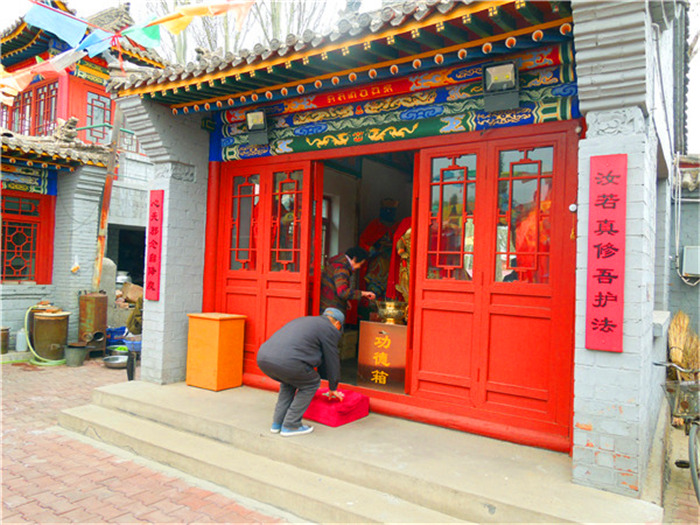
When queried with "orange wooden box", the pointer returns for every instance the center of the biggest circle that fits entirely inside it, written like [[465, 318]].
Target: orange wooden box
[[215, 350]]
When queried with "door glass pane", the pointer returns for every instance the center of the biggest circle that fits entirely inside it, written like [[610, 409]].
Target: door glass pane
[[523, 225], [245, 206], [285, 253], [451, 235]]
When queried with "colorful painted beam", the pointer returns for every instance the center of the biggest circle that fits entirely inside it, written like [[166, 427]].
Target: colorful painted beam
[[526, 61], [530, 112], [559, 81]]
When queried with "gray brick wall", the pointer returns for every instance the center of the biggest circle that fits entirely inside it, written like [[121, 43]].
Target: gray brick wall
[[129, 194], [611, 59], [618, 396], [179, 150], [77, 217], [15, 300], [615, 411]]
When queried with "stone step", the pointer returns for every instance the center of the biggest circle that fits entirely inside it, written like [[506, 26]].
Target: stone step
[[308, 494], [460, 475]]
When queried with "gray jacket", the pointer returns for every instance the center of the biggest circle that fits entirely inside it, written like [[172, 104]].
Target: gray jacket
[[312, 341]]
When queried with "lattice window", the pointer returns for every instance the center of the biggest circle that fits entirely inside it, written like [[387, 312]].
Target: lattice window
[[99, 115], [285, 253], [4, 116], [129, 142], [245, 203], [451, 233], [45, 111], [22, 113], [20, 222], [524, 222]]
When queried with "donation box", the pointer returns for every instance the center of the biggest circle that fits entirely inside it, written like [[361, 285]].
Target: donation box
[[215, 351], [382, 356]]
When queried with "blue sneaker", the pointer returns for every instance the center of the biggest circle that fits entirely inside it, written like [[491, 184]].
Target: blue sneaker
[[275, 428], [303, 429]]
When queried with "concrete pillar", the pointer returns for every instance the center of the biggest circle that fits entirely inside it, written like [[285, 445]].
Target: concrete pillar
[[618, 395], [179, 150]]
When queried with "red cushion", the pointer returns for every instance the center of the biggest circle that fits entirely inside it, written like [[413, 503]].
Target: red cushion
[[334, 413]]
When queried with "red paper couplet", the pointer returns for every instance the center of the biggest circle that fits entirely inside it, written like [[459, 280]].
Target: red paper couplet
[[606, 253], [153, 246]]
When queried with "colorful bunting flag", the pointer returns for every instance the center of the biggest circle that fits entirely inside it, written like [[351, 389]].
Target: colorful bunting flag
[[96, 42], [177, 21], [61, 61], [65, 26], [143, 34], [72, 29], [11, 84]]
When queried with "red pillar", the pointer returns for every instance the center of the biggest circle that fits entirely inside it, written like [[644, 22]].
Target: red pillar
[[211, 238], [63, 95]]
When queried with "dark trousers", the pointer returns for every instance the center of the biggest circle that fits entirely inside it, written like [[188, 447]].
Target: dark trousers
[[298, 384]]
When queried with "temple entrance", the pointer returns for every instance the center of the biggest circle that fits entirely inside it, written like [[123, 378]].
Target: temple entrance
[[368, 203], [487, 341]]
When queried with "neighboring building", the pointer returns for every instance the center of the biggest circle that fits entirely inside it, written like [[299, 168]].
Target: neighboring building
[[67, 188], [51, 187], [504, 337], [683, 262]]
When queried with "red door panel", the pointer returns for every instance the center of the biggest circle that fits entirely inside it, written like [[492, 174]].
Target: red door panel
[[444, 297], [494, 273], [265, 218], [284, 283]]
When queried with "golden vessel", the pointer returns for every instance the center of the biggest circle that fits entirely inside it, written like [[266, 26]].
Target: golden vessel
[[392, 312]]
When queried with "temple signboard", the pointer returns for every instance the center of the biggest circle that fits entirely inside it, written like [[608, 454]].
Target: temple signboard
[[154, 245]]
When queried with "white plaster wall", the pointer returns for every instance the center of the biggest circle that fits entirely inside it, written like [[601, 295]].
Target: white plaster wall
[[663, 260], [660, 89], [343, 190], [380, 181]]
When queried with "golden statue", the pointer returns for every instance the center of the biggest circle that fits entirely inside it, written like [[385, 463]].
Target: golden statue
[[403, 249]]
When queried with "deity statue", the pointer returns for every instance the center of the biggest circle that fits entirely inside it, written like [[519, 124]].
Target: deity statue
[[377, 240], [403, 249]]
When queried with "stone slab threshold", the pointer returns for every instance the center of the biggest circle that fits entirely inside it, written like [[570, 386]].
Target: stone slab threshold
[[377, 469]]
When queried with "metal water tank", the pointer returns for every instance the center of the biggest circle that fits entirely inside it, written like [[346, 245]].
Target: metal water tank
[[92, 327], [50, 334]]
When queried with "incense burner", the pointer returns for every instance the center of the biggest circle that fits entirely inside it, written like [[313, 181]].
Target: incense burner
[[392, 312]]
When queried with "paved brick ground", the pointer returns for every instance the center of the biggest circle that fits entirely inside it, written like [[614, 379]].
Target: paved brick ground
[[680, 505], [48, 477]]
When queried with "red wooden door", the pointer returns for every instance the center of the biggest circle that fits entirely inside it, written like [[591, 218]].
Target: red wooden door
[[493, 309], [265, 218]]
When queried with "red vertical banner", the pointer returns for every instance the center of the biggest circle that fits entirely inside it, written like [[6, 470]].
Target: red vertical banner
[[154, 245], [606, 253]]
